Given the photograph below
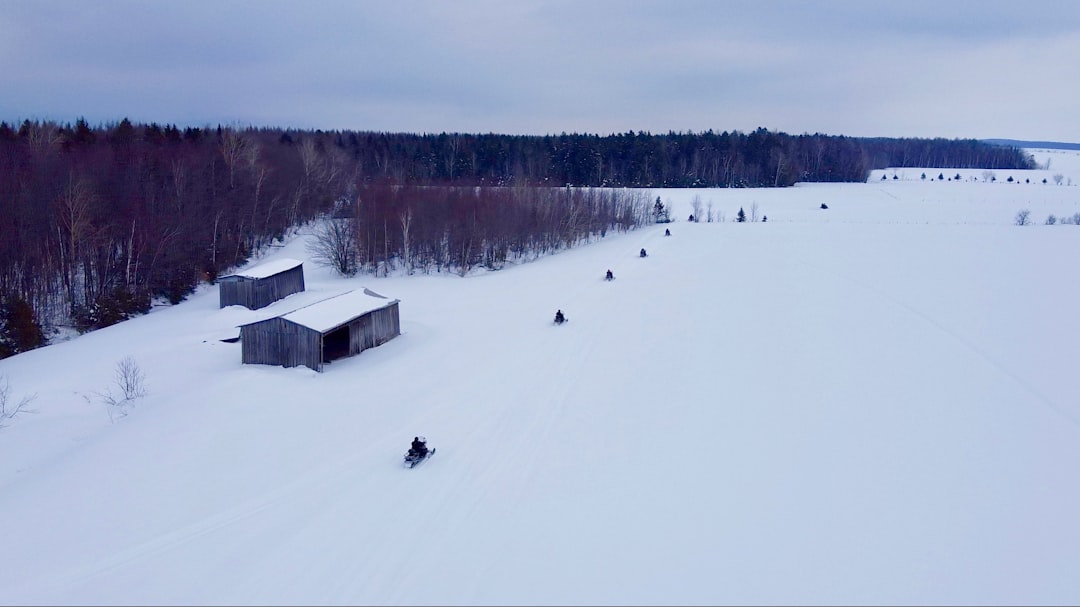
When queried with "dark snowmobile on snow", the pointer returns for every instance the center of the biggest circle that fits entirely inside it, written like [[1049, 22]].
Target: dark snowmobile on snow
[[418, 452], [609, 276], [559, 317]]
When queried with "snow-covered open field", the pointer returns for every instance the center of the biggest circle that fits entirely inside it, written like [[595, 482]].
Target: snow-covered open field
[[872, 404]]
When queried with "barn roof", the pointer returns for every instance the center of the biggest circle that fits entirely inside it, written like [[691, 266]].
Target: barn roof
[[268, 269], [337, 310]]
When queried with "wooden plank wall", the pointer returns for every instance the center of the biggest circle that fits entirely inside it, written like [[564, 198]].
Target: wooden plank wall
[[255, 293], [276, 341]]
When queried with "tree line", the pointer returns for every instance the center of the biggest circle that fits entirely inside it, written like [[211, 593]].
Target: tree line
[[760, 158], [422, 228], [98, 221]]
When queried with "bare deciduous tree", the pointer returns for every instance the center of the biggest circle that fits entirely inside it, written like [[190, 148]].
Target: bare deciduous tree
[[233, 148], [1023, 217], [406, 218], [335, 245]]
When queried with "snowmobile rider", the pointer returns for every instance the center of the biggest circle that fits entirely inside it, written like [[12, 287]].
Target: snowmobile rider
[[559, 318], [610, 276], [418, 447], [642, 254]]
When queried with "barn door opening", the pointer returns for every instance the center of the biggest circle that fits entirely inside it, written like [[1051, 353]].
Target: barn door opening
[[336, 344]]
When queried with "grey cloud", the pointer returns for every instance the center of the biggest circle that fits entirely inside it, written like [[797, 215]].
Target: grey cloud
[[535, 66]]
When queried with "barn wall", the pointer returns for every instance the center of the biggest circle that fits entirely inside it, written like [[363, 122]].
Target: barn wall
[[374, 329], [385, 324], [280, 285], [276, 341], [230, 292], [255, 293]]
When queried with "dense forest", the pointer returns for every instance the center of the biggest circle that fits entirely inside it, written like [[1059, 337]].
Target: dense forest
[[642, 160], [96, 222]]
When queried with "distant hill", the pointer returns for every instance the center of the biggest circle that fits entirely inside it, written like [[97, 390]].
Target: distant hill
[[1048, 145]]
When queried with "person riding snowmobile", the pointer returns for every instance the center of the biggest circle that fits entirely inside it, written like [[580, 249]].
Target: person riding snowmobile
[[418, 448], [609, 276], [559, 318]]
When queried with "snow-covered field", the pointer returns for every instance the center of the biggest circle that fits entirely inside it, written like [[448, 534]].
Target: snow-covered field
[[872, 404]]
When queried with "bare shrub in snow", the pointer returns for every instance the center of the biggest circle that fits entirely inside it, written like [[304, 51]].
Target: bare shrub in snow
[[9, 406], [131, 381], [1022, 217], [1051, 220]]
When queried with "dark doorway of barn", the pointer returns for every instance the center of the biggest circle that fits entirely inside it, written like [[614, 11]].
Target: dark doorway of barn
[[336, 344]]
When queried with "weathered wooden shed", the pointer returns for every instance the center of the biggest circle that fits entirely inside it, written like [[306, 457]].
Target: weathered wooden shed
[[343, 325], [262, 285]]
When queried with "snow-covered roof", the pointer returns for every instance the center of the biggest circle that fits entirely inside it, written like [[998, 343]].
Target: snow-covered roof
[[337, 310], [268, 269]]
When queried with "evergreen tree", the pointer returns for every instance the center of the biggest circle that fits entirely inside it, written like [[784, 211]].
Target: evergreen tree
[[741, 217], [19, 330], [661, 213]]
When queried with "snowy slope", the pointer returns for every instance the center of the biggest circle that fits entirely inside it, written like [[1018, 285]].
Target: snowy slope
[[873, 403]]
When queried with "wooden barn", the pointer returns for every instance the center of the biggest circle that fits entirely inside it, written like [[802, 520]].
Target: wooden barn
[[262, 285], [343, 325]]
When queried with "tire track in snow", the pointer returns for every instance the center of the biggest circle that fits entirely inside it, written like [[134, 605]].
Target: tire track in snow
[[957, 337], [545, 379], [303, 488]]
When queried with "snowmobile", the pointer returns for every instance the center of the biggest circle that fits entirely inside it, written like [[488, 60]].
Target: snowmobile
[[560, 318], [412, 457], [609, 276]]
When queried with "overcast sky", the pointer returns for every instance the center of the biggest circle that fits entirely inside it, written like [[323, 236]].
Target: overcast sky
[[912, 68]]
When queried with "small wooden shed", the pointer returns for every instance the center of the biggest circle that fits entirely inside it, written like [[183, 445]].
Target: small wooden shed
[[262, 285], [341, 326]]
